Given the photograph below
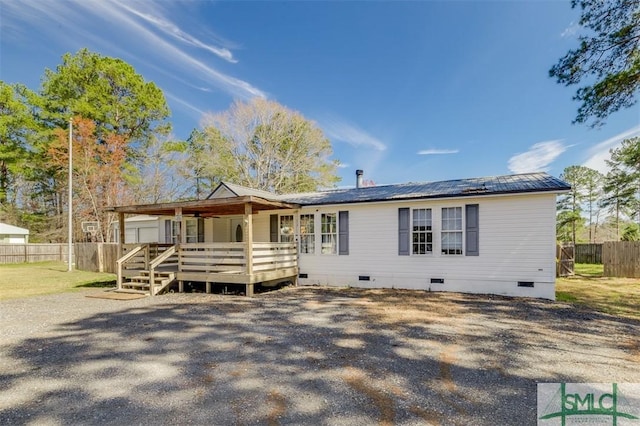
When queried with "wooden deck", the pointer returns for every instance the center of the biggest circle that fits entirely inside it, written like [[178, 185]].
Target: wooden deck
[[148, 267]]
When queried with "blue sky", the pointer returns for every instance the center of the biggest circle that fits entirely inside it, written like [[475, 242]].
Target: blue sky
[[407, 91]]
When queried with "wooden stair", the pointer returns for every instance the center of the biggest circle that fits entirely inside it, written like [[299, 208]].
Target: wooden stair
[[140, 283]]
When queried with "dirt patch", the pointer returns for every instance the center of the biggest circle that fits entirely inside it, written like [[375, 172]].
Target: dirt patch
[[111, 295], [447, 359], [358, 380], [278, 404], [632, 345]]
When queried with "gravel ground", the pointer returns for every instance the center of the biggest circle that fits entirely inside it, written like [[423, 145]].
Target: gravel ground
[[299, 356]]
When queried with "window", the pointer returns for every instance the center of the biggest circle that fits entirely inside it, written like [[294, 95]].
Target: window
[[174, 232], [286, 229], [421, 232], [307, 234], [328, 233], [191, 231], [452, 230]]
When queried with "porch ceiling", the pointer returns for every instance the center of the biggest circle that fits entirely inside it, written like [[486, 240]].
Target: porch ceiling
[[206, 208]]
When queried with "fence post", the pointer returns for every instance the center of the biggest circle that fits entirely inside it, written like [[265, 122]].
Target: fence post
[[100, 258]]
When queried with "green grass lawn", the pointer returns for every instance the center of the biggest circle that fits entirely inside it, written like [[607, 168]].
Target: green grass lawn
[[588, 288], [588, 270], [32, 279]]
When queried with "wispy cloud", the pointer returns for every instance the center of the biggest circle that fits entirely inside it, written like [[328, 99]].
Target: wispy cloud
[[600, 152], [571, 30], [174, 31], [438, 151], [183, 102], [369, 150], [149, 33], [537, 158], [346, 132]]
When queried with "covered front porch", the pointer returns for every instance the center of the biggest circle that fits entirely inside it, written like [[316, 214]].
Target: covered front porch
[[240, 260]]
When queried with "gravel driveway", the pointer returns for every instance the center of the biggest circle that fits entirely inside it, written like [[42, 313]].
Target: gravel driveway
[[299, 356]]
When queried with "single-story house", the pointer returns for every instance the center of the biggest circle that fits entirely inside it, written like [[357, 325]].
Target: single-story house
[[10, 234], [481, 235]]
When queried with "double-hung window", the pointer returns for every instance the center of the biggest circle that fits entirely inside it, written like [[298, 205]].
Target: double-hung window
[[329, 233], [194, 230], [286, 229], [307, 234], [451, 230], [191, 231], [422, 233]]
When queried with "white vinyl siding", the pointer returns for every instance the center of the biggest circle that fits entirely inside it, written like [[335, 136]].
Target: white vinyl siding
[[130, 235], [148, 235], [517, 240]]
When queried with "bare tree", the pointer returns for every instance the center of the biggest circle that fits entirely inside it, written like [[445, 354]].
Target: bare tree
[[157, 176], [263, 145]]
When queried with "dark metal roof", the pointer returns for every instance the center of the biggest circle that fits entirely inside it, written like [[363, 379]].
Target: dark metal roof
[[242, 191], [493, 185]]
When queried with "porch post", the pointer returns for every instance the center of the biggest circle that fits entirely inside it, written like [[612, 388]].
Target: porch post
[[120, 233], [178, 218], [248, 247]]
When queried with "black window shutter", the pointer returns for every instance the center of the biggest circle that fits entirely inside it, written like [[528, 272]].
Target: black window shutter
[[472, 230], [201, 230], [167, 231], [273, 228], [403, 231], [343, 233]]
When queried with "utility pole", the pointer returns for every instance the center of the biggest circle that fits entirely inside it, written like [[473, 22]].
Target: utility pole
[[70, 247]]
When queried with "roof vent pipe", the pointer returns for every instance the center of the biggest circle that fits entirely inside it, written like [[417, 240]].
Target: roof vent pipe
[[359, 174]]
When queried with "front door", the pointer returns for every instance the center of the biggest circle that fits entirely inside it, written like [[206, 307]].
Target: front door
[[236, 231]]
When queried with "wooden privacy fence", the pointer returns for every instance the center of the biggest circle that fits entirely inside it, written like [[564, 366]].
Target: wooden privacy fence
[[26, 253], [621, 259], [589, 253], [565, 255], [97, 257]]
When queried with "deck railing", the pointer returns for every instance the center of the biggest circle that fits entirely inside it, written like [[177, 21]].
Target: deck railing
[[210, 262], [230, 258], [274, 256]]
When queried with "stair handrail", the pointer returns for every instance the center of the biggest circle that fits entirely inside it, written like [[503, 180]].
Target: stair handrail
[[155, 263], [124, 259], [162, 257]]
